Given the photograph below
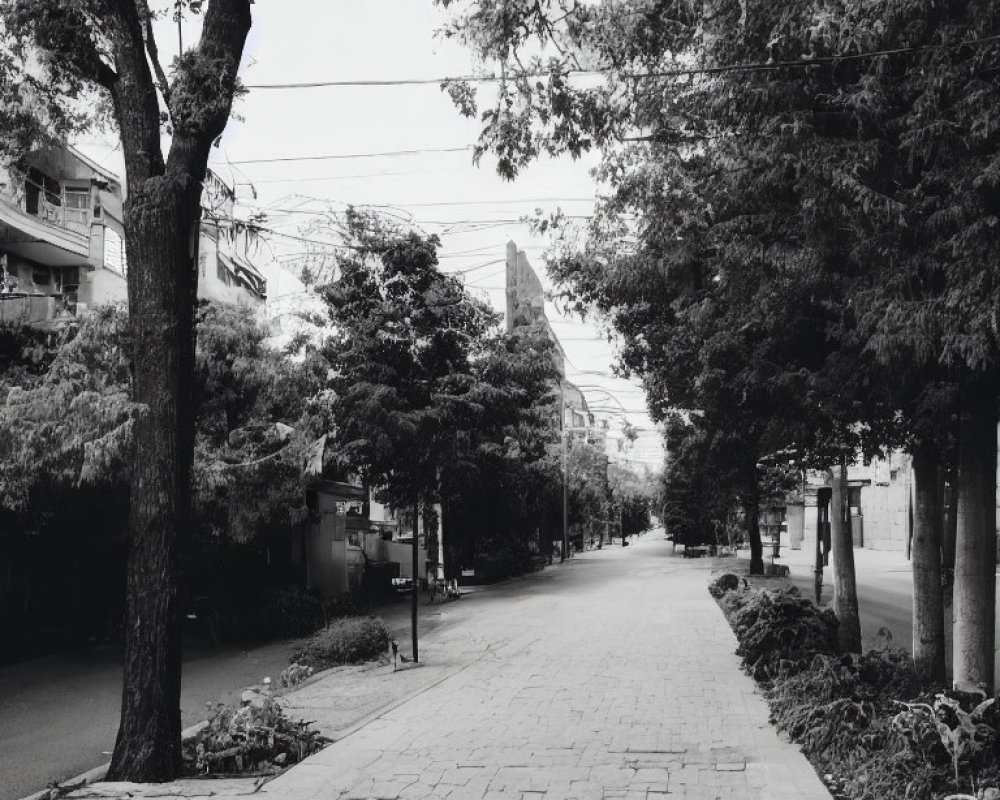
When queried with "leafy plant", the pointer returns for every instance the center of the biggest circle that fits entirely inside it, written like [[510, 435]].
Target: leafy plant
[[353, 640], [254, 738], [781, 632], [725, 583], [294, 674], [963, 734]]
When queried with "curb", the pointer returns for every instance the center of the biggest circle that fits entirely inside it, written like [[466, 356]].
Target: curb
[[95, 774]]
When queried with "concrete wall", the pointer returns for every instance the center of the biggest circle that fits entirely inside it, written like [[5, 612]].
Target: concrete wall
[[795, 517], [326, 555], [402, 554], [102, 286]]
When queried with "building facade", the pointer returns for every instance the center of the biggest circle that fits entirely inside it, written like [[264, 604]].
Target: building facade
[[62, 247]]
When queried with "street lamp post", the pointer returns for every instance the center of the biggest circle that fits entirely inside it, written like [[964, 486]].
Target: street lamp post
[[565, 479]]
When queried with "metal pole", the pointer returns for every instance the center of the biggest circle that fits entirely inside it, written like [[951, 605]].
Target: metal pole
[[565, 504], [416, 582]]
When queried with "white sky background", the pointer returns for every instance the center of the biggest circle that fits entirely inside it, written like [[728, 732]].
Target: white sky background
[[344, 40]]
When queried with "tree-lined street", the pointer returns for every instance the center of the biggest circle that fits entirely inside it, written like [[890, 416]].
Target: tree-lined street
[[553, 695], [230, 401]]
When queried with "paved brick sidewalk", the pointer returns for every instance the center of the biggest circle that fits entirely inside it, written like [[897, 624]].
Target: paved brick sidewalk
[[611, 676], [621, 683]]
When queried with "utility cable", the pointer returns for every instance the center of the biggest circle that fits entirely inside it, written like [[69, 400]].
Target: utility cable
[[759, 66], [334, 156]]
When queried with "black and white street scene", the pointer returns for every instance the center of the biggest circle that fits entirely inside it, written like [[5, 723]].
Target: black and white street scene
[[499, 399]]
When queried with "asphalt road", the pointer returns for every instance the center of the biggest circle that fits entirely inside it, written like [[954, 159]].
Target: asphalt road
[[59, 714], [885, 597]]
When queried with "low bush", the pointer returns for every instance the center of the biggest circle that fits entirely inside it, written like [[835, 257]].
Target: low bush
[[271, 614], [352, 640], [257, 738], [780, 632], [840, 708], [727, 582], [845, 710]]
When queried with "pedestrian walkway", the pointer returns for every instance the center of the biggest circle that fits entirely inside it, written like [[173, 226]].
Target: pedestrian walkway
[[626, 686], [610, 676]]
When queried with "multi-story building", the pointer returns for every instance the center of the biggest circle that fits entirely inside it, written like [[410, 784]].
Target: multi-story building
[[62, 247], [61, 237]]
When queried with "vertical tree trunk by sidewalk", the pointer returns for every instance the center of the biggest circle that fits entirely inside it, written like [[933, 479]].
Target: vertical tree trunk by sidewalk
[[161, 214], [975, 556], [751, 520], [845, 592], [928, 596]]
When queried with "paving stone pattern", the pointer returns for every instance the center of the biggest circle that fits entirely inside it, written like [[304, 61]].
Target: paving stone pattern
[[612, 676]]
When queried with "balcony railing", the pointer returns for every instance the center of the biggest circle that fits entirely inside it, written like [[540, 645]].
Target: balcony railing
[[13, 193]]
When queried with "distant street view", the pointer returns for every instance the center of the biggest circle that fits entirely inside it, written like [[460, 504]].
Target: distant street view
[[491, 399]]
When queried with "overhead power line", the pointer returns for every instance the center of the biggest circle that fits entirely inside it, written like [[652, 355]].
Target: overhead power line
[[334, 156], [759, 66]]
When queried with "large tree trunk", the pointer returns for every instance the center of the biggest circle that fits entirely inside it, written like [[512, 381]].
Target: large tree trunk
[[845, 591], [751, 521], [161, 213], [928, 597], [160, 311], [975, 555]]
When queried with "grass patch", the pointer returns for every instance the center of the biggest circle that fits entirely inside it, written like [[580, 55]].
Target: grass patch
[[352, 640]]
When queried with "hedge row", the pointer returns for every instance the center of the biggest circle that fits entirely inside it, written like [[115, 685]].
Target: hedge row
[[865, 722]]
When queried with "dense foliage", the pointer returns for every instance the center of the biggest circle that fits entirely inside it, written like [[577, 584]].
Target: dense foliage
[[867, 722], [797, 238], [66, 426], [434, 404], [352, 640], [257, 738]]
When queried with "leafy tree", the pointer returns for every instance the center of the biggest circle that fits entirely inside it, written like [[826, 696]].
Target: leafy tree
[[695, 498], [587, 484], [400, 353], [631, 495], [58, 53], [67, 455], [499, 490], [867, 180]]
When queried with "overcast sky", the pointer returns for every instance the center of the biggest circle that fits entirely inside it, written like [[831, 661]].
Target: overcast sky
[[473, 210]]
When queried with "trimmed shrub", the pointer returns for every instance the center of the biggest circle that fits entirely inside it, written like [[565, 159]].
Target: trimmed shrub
[[727, 582], [780, 632], [252, 739], [352, 640]]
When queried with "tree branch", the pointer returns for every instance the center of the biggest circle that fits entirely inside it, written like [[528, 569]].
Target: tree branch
[[153, 51], [206, 80]]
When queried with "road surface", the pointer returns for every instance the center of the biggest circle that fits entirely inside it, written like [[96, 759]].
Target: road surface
[[59, 714], [617, 647]]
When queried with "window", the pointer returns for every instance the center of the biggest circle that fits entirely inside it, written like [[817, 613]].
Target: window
[[77, 199], [77, 207]]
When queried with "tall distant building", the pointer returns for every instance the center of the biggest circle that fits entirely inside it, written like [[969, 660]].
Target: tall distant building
[[526, 309]]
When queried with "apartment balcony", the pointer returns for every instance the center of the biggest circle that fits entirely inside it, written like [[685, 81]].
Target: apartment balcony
[[47, 234]]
